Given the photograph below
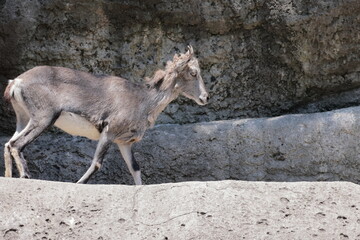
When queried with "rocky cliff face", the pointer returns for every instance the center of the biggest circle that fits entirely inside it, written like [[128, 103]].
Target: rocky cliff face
[[259, 58]]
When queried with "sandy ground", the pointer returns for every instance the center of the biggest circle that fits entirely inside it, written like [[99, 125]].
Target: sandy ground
[[33, 209]]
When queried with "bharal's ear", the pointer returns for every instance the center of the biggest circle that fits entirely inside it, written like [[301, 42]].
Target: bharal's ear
[[182, 60]]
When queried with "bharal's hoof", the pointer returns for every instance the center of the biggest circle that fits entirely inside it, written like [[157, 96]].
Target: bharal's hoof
[[25, 176]]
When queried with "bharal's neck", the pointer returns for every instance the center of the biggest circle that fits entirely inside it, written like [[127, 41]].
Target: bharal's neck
[[158, 102]]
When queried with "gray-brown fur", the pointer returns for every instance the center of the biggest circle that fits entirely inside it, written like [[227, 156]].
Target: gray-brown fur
[[109, 108]]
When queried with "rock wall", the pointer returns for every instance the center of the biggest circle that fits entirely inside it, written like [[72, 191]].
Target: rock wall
[[259, 58], [301, 147]]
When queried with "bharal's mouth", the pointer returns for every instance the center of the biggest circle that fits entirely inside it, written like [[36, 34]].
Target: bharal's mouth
[[201, 102]]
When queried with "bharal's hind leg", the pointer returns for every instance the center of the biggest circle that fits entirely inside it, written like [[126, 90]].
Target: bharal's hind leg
[[32, 130], [8, 159], [131, 163], [22, 120]]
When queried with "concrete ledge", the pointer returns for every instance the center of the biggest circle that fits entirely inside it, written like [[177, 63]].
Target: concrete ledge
[[33, 209]]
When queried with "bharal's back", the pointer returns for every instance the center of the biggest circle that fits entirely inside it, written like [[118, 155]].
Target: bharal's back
[[107, 108], [68, 89]]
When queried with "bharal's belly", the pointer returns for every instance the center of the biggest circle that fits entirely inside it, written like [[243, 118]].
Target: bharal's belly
[[77, 125]]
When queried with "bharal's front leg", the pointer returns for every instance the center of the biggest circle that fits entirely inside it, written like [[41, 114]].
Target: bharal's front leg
[[103, 145], [131, 163]]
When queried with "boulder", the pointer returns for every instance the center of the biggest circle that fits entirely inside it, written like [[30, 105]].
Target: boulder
[[259, 58], [32, 209], [299, 147]]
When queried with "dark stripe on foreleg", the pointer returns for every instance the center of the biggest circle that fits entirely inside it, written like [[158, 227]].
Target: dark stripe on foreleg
[[134, 164]]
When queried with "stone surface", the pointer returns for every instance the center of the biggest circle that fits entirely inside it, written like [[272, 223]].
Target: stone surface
[[193, 210], [259, 58], [300, 147]]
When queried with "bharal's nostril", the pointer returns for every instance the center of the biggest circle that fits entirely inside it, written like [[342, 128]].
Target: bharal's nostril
[[204, 97]]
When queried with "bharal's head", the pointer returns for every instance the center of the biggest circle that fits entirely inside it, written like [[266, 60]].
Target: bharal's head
[[189, 81]]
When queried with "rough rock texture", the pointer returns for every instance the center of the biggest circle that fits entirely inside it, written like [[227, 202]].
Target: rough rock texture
[[195, 210], [302, 147], [259, 58]]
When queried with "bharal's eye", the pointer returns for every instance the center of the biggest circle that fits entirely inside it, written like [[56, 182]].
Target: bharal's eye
[[193, 73]]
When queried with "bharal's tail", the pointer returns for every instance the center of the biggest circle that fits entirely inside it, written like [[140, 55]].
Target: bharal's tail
[[9, 93]]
